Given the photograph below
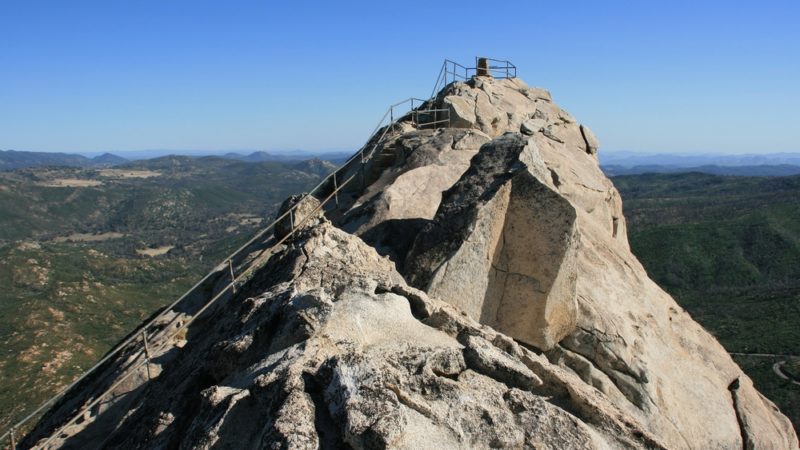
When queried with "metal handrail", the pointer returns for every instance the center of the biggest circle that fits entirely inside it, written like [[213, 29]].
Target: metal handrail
[[508, 69], [452, 71], [364, 152]]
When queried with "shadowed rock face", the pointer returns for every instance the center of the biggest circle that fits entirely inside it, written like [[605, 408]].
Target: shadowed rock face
[[513, 235], [415, 164]]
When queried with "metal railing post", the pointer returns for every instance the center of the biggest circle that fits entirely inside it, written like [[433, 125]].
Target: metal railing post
[[362, 171], [146, 354], [335, 190], [13, 439], [233, 277]]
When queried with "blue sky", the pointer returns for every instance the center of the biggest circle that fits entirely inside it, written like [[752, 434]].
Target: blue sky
[[118, 75]]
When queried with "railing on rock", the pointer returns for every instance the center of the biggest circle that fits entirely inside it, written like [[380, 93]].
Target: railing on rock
[[452, 71], [498, 68], [420, 115]]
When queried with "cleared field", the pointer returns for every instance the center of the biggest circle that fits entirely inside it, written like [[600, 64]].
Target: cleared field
[[70, 182], [121, 173], [157, 251]]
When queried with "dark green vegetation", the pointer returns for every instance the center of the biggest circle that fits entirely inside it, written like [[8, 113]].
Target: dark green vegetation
[[728, 250], [87, 254], [776, 170]]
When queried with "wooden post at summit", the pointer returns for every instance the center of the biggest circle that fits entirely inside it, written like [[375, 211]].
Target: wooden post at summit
[[483, 68]]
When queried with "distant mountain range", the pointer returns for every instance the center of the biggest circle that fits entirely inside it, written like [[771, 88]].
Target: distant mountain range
[[780, 170], [630, 159], [631, 163], [261, 156], [612, 163], [12, 159]]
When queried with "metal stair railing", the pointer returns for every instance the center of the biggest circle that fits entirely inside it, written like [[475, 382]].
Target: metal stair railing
[[419, 117], [142, 355], [451, 71]]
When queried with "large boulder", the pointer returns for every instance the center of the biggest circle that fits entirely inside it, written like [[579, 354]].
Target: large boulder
[[592, 143], [305, 213], [408, 191], [503, 246]]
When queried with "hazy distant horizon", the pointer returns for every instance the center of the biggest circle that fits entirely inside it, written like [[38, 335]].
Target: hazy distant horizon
[[185, 152], [626, 158], [154, 153]]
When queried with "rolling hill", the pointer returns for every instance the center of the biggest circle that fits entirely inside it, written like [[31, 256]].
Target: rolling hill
[[13, 159]]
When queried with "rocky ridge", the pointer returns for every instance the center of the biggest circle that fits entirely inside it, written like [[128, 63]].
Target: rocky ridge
[[476, 291]]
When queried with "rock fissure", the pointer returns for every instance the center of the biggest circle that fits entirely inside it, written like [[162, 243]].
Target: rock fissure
[[508, 272], [603, 336], [624, 380], [406, 400], [324, 424], [610, 362], [594, 189], [733, 387]]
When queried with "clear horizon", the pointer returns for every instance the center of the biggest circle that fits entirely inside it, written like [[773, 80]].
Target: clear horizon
[[95, 77]]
